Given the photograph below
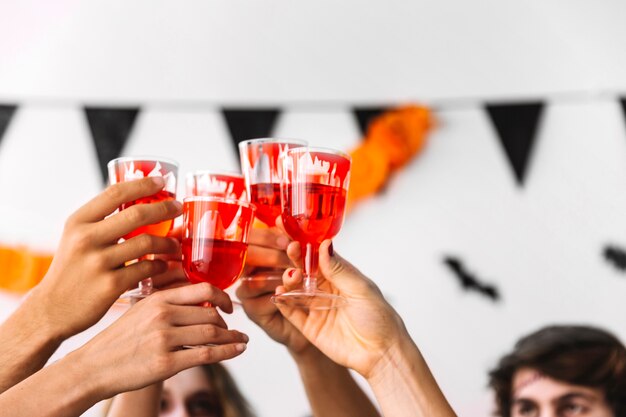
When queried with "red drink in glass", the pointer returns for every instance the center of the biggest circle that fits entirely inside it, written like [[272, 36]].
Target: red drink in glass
[[220, 263], [262, 170], [215, 239], [133, 168], [313, 195], [322, 216], [266, 198]]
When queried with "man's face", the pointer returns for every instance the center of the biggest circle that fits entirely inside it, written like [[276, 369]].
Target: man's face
[[537, 395]]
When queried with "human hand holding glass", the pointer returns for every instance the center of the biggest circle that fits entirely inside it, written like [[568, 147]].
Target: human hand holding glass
[[133, 168], [314, 186], [366, 335]]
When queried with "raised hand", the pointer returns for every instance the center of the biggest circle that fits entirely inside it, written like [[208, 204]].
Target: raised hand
[[356, 335], [88, 274], [145, 344], [366, 335], [142, 347], [255, 299]]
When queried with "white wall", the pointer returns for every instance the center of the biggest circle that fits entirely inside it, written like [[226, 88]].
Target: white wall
[[541, 244]]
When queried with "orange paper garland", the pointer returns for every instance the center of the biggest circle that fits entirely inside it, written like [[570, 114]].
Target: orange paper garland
[[21, 269], [391, 141]]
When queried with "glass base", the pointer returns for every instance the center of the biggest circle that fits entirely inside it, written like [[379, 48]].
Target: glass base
[[273, 275], [129, 297], [310, 300]]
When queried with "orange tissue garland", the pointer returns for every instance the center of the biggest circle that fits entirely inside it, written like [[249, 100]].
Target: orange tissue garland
[[21, 269], [392, 139]]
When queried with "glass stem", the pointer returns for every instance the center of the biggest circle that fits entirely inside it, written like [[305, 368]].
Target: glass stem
[[145, 286], [310, 255]]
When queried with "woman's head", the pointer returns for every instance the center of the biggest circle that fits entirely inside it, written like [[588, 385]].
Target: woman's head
[[562, 371], [204, 391]]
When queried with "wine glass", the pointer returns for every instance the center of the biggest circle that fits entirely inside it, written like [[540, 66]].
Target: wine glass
[[262, 170], [133, 168], [215, 239], [206, 183], [313, 195], [229, 185]]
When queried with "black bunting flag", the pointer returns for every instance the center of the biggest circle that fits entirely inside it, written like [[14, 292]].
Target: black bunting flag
[[469, 281], [615, 256], [364, 115], [623, 103], [246, 124], [6, 114], [516, 125], [110, 129]]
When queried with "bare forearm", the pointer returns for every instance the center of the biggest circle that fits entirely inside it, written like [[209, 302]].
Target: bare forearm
[[404, 386], [62, 389], [331, 390], [26, 344], [144, 402]]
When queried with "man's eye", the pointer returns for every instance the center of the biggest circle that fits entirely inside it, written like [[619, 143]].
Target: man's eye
[[572, 410], [526, 410]]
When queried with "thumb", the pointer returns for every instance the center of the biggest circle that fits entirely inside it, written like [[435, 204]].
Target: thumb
[[339, 272]]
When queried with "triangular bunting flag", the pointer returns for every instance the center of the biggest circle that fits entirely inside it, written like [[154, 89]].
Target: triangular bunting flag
[[516, 125], [6, 114], [110, 129], [364, 115], [246, 124]]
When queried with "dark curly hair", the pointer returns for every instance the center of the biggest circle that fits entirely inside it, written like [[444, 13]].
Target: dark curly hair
[[578, 355]]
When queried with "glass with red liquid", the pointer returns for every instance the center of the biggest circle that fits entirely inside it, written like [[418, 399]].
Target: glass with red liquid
[[133, 168], [313, 195], [215, 239], [262, 170], [229, 185]]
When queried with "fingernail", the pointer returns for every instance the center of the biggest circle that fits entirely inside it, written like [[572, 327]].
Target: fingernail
[[158, 181], [245, 337], [241, 347], [331, 251], [290, 273]]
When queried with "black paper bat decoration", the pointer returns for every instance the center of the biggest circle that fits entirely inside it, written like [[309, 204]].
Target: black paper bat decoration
[[615, 256], [469, 281]]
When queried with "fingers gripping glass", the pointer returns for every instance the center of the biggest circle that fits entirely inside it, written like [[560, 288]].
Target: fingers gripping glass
[[133, 168], [314, 187]]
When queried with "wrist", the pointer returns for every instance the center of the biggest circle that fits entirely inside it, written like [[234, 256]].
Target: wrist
[[33, 326], [40, 314], [306, 355], [91, 378], [403, 353]]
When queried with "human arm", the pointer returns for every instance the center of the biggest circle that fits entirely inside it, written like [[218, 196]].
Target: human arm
[[86, 276], [144, 402], [366, 335], [141, 348]]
